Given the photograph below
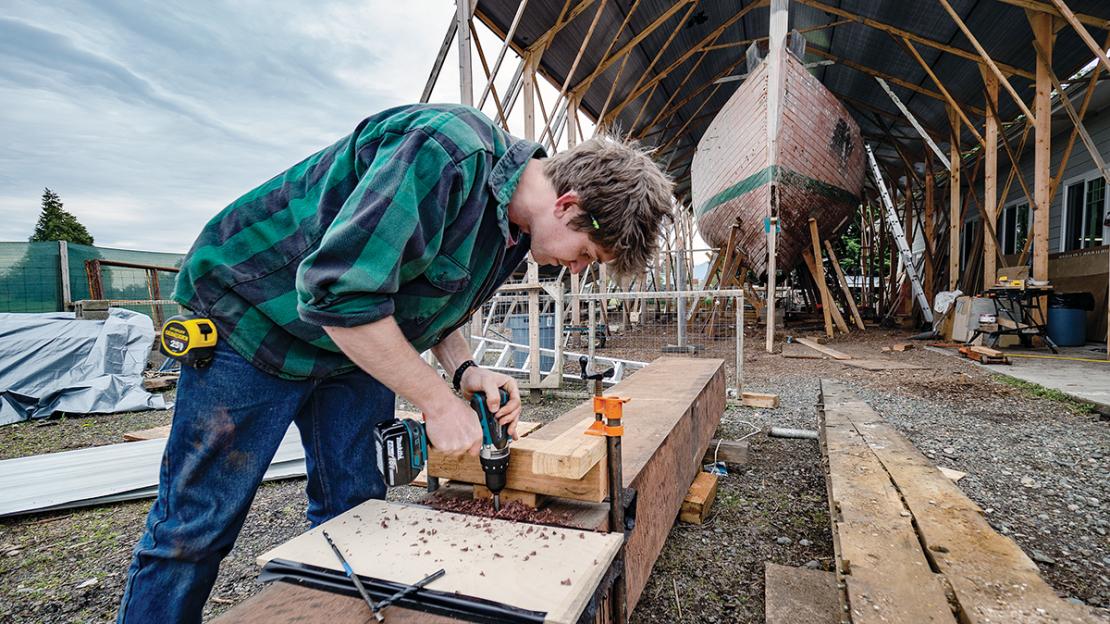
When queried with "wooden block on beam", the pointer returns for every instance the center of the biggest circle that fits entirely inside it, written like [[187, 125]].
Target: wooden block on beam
[[570, 455], [799, 595], [699, 498], [759, 399], [523, 428], [528, 499]]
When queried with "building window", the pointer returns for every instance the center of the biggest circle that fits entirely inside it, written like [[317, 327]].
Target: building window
[[1014, 228], [1084, 205]]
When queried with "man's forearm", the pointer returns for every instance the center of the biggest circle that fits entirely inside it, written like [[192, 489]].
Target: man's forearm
[[380, 349], [452, 351]]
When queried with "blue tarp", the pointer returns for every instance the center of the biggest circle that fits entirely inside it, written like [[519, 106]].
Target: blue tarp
[[53, 362]]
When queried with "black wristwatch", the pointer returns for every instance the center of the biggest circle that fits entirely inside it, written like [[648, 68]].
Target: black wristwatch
[[456, 379]]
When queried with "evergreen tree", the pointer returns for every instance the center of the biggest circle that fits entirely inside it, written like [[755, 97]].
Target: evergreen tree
[[55, 223]]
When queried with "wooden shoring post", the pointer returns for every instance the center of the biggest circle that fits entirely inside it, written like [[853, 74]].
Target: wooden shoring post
[[466, 75], [864, 69], [501, 55], [63, 273], [990, 176], [1070, 17], [708, 40], [913, 121], [893, 30], [954, 202], [769, 301], [1042, 147], [929, 231], [828, 302], [944, 91], [987, 59], [843, 281], [489, 77], [819, 277]]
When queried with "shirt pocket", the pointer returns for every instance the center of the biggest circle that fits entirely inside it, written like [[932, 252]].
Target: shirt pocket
[[447, 274]]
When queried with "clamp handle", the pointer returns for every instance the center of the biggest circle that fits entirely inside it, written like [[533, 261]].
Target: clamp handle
[[584, 362]]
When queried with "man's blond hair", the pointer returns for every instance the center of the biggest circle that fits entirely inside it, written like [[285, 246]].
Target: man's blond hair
[[624, 195]]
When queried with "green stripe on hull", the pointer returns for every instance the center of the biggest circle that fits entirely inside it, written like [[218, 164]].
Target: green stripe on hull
[[787, 177]]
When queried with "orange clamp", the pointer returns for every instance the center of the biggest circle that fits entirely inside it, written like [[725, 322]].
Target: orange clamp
[[608, 409]]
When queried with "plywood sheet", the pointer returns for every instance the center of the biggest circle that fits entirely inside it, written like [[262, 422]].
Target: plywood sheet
[[404, 543]]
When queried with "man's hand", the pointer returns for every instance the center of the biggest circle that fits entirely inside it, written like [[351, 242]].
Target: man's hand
[[477, 379], [454, 428]]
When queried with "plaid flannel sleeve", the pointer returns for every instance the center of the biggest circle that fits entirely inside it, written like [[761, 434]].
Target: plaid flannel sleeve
[[387, 230]]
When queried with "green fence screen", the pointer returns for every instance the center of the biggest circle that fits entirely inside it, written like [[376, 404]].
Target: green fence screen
[[31, 276]]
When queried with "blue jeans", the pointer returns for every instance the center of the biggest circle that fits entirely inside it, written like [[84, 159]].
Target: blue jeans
[[228, 423]]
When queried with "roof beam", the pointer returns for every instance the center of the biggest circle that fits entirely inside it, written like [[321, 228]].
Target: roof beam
[[746, 42], [708, 40], [579, 94], [986, 57], [940, 85], [581, 87], [1034, 5], [669, 110], [925, 41], [564, 18], [1082, 32], [913, 121], [885, 76]]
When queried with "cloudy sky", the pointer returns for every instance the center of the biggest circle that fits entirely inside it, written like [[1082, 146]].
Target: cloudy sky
[[148, 118]]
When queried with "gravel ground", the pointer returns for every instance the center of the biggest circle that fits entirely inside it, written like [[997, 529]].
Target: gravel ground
[[1037, 466]]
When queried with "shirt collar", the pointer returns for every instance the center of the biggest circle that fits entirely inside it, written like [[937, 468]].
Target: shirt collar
[[505, 176]]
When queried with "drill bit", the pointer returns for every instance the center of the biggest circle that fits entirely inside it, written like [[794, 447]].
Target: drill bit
[[497, 502], [354, 577]]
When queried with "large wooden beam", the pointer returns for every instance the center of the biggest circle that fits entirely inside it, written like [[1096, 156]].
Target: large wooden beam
[[952, 103], [916, 38], [835, 262], [1043, 7], [1073, 20]]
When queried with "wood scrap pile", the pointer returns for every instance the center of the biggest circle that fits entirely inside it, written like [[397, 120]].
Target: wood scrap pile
[[984, 355], [909, 545]]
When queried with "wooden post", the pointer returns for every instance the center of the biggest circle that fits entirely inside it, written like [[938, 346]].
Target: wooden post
[[466, 76], [772, 234], [930, 228], [954, 201], [534, 356], [529, 93], [819, 277], [990, 176], [856, 318], [778, 24], [63, 269], [1042, 24]]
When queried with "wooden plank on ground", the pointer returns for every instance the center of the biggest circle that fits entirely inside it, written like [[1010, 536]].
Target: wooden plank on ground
[[382, 540], [727, 451], [993, 579], [829, 351], [759, 399], [877, 364], [886, 577], [800, 596], [153, 433], [699, 498], [286, 602], [791, 350]]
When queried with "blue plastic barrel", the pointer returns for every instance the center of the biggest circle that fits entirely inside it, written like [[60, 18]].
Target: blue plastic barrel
[[1067, 327], [518, 326]]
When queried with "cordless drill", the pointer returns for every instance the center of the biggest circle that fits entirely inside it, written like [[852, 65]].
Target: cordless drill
[[402, 448]]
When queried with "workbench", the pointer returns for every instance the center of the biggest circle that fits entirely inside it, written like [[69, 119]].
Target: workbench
[[1016, 313], [675, 409]]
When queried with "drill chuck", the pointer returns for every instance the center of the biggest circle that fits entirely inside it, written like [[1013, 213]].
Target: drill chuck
[[495, 463]]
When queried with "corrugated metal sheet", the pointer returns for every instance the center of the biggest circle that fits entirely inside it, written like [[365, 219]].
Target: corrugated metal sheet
[[1002, 29], [104, 474]]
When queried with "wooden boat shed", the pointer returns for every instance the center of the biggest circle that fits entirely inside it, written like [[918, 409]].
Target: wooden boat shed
[[950, 94]]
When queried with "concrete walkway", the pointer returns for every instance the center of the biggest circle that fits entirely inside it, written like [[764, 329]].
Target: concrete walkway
[[1086, 381]]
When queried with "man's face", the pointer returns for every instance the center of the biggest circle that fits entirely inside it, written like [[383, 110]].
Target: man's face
[[556, 242]]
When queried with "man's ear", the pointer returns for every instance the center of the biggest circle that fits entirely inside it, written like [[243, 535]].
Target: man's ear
[[565, 202]]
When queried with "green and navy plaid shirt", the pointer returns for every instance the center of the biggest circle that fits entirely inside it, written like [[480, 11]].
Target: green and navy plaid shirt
[[407, 216]]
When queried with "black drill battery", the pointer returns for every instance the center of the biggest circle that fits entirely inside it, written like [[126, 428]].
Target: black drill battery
[[401, 446]]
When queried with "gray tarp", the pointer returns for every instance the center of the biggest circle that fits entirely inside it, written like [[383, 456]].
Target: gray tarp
[[53, 362]]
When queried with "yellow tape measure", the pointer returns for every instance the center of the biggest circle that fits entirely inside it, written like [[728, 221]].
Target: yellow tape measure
[[189, 340]]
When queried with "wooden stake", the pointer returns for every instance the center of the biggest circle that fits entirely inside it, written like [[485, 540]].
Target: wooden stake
[[819, 277], [856, 318]]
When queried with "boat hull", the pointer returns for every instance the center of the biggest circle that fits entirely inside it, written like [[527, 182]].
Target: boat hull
[[819, 171]]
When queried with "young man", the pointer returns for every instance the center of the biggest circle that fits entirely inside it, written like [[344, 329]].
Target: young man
[[327, 281]]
